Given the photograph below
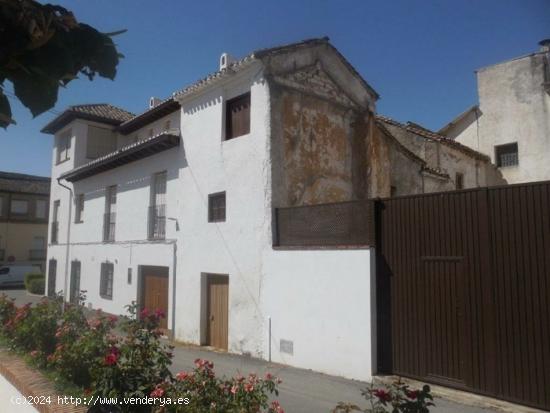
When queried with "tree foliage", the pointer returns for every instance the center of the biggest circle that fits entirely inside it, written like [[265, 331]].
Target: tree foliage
[[44, 47]]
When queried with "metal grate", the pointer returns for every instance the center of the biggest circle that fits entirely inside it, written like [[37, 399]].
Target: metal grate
[[345, 223], [157, 222], [54, 233]]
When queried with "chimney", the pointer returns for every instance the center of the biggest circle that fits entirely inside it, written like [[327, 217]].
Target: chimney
[[153, 101], [225, 60], [545, 45]]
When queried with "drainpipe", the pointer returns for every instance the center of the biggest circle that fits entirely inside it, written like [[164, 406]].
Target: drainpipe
[[68, 242], [174, 291]]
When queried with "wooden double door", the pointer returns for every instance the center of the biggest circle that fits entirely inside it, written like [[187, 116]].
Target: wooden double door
[[154, 291], [217, 311]]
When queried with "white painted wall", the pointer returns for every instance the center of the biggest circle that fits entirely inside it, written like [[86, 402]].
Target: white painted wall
[[514, 108], [321, 301]]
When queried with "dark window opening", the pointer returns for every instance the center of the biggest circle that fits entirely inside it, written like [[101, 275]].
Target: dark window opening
[[237, 116], [507, 155], [216, 207], [459, 181], [106, 281]]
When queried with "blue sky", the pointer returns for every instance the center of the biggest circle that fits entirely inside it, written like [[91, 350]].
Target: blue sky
[[419, 55]]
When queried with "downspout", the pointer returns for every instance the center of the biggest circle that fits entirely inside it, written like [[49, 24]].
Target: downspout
[[174, 291], [68, 242]]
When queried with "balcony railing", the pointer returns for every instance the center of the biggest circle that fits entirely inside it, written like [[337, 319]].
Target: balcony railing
[[37, 254], [157, 222], [109, 223], [55, 232], [339, 224]]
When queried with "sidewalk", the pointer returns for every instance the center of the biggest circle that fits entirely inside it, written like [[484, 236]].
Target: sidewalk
[[302, 391]]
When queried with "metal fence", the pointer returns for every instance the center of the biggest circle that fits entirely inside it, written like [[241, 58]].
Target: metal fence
[[338, 224]]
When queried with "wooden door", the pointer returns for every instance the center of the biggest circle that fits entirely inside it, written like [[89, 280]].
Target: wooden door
[[217, 311], [155, 291]]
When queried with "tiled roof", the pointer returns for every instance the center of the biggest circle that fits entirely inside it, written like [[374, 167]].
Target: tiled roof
[[260, 53], [101, 112], [428, 134], [14, 182]]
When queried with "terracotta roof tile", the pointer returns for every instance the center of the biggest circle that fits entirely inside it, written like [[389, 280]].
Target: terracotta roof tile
[[14, 182]]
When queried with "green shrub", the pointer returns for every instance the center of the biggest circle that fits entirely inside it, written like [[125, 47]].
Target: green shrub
[[36, 285], [32, 276]]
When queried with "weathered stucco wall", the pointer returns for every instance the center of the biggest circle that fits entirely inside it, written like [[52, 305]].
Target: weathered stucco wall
[[514, 107]]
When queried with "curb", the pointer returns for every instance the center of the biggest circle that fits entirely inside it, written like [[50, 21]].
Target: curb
[[32, 383]]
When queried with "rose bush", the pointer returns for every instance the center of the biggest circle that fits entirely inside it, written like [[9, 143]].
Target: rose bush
[[83, 349], [397, 397]]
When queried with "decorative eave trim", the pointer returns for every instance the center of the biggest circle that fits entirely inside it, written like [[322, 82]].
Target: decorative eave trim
[[124, 155]]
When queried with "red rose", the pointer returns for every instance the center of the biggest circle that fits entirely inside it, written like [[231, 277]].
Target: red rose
[[111, 359], [382, 395]]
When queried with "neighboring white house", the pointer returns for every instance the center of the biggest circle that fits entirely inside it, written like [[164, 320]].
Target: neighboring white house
[[211, 205], [511, 124]]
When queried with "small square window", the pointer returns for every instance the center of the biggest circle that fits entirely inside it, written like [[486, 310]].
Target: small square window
[[216, 207], [237, 116], [507, 155]]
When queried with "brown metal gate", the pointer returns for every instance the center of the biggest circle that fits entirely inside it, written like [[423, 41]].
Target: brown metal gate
[[463, 287]]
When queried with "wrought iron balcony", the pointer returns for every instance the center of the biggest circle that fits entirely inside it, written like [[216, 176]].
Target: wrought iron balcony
[[55, 232], [39, 254], [157, 222], [109, 224]]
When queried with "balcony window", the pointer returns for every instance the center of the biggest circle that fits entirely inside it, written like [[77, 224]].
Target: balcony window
[[157, 209]]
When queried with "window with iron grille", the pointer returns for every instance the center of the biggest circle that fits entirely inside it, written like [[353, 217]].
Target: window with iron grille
[[216, 207], [459, 181], [157, 208], [507, 155], [79, 209], [106, 280], [109, 218], [237, 116], [52, 275]]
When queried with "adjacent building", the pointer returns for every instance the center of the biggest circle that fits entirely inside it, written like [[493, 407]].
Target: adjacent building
[[24, 203], [196, 205], [511, 123]]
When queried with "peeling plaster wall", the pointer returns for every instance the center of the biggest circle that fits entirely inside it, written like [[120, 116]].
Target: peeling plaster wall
[[514, 108]]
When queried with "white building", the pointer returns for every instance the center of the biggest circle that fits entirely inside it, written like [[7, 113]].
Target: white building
[[511, 124], [173, 208], [197, 205]]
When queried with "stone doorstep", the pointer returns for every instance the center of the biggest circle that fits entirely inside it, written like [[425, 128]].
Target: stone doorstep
[[462, 397], [30, 382]]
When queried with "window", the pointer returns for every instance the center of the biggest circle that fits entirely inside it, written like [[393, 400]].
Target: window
[[216, 207], [157, 208], [237, 116], [63, 146], [52, 275], [459, 181], [79, 208], [106, 280], [507, 155], [74, 296], [19, 207], [41, 207], [1, 206], [55, 223], [109, 221], [100, 142]]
